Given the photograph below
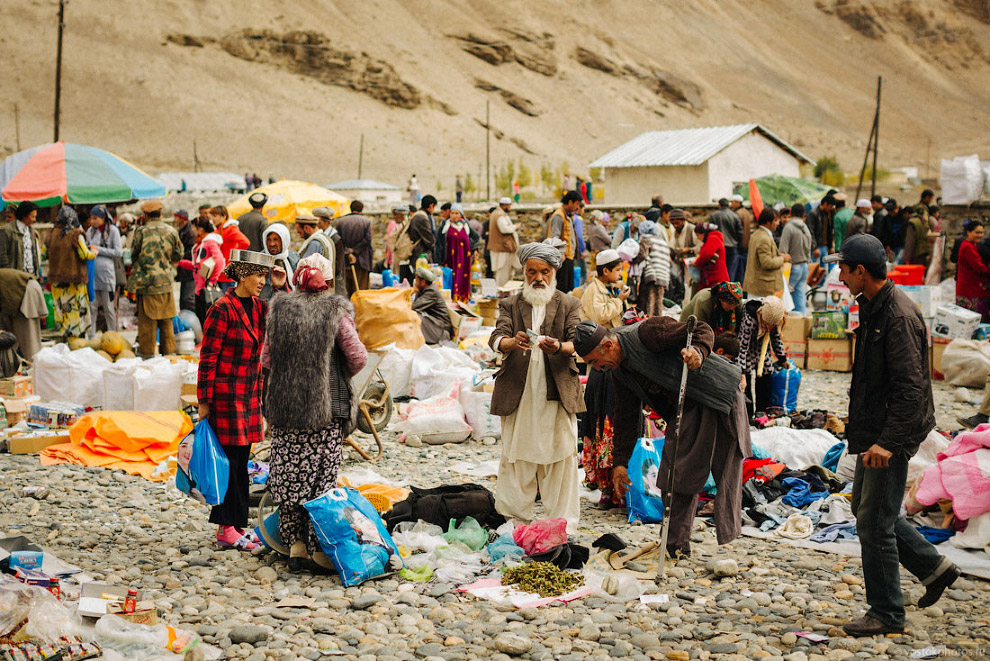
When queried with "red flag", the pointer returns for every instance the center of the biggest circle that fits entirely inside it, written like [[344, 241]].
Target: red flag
[[755, 199]]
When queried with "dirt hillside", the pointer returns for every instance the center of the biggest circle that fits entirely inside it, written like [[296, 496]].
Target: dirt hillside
[[287, 89]]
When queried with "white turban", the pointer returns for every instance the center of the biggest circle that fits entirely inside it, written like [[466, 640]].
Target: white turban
[[545, 252]]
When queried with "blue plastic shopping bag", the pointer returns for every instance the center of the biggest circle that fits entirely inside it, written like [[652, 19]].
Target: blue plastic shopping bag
[[203, 470], [352, 534], [643, 500], [784, 386]]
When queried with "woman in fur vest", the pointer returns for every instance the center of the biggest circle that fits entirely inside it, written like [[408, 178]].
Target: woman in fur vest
[[310, 405]]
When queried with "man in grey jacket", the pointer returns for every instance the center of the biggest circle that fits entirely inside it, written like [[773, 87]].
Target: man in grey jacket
[[795, 241]]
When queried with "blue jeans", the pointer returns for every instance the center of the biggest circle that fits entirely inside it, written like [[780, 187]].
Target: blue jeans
[[888, 540], [798, 284], [740, 273]]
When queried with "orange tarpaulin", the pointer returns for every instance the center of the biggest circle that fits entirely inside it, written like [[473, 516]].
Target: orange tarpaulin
[[132, 441]]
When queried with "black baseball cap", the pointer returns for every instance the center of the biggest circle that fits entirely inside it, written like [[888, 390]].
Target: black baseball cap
[[863, 249]]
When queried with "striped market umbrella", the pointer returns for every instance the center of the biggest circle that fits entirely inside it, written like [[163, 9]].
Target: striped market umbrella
[[76, 174]]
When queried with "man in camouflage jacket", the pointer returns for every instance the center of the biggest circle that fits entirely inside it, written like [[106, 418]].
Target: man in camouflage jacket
[[155, 249]]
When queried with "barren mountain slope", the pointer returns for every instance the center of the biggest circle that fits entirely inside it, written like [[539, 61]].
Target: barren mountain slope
[[288, 88]]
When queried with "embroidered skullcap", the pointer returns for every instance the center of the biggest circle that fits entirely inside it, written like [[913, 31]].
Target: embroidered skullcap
[[247, 262], [587, 336], [772, 311], [541, 251]]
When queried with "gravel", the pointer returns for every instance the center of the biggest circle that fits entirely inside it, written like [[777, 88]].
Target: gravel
[[746, 599]]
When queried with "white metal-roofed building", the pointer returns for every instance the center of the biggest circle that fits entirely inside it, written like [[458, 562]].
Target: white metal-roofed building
[[368, 190], [694, 166]]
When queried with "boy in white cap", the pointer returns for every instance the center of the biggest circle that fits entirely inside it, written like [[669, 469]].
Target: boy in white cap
[[604, 297]]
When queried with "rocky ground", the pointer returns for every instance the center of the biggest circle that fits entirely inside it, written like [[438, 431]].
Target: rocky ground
[[129, 531]]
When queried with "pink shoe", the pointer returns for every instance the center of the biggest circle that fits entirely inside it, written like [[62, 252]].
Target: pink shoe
[[250, 534], [229, 537]]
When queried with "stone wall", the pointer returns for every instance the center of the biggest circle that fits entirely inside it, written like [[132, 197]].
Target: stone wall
[[952, 220]]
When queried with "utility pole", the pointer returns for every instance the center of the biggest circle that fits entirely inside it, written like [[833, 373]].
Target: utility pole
[[876, 141], [58, 65], [196, 165], [488, 149], [871, 145], [17, 126], [361, 156]]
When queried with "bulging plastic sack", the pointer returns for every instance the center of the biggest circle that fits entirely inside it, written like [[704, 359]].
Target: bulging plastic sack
[[643, 499], [505, 550], [541, 536], [966, 363], [439, 419], [203, 470], [470, 533], [478, 412], [352, 534], [451, 563], [784, 386]]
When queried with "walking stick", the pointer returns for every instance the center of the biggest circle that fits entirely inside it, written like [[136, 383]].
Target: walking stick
[[668, 495], [357, 285]]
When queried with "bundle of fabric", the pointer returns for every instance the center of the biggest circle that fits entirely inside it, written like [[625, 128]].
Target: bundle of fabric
[[961, 475], [135, 442]]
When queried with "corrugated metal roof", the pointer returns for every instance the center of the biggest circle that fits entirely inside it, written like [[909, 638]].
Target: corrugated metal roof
[[201, 181], [361, 184], [683, 147]]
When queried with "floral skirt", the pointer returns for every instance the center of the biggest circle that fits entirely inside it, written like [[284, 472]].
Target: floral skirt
[[976, 304], [71, 302], [597, 461], [304, 463]]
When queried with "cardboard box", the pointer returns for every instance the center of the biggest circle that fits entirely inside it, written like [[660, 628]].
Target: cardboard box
[[797, 352], [924, 296], [796, 329], [16, 408], [830, 355], [188, 389], [828, 326], [144, 613], [939, 345], [17, 386], [853, 316], [35, 442], [95, 598], [955, 322]]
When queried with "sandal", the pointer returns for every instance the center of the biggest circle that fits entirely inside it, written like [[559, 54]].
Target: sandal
[[231, 538]]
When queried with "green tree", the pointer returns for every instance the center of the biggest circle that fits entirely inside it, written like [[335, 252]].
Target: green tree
[[504, 176], [468, 184], [595, 174], [524, 175], [548, 176], [828, 171]]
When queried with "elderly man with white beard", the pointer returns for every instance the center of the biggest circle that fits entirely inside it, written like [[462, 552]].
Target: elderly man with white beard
[[538, 392]]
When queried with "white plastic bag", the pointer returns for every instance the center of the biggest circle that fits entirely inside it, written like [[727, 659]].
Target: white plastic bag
[[962, 179], [438, 419], [418, 536], [396, 368], [433, 368], [966, 363], [478, 412], [618, 587], [71, 376]]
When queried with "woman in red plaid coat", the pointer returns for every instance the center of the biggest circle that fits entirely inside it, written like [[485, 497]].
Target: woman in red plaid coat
[[230, 383]]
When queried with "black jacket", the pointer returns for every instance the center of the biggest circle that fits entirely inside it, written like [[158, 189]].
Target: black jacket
[[890, 400]]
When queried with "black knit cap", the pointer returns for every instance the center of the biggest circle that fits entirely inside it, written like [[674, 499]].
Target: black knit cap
[[587, 336]]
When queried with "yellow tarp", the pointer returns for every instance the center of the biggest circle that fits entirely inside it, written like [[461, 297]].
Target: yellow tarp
[[288, 199], [132, 441]]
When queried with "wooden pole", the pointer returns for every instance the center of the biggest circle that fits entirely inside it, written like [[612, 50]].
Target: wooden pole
[[361, 156], [866, 157], [17, 127], [58, 66], [488, 150], [876, 140]]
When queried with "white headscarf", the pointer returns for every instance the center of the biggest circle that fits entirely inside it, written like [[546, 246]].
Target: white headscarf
[[322, 264], [283, 233]]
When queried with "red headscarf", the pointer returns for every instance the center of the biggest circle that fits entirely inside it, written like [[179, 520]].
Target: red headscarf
[[308, 278]]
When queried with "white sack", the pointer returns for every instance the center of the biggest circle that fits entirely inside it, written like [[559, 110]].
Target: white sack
[[796, 448], [478, 412], [434, 368], [438, 419], [966, 363], [396, 368], [962, 179], [70, 376]]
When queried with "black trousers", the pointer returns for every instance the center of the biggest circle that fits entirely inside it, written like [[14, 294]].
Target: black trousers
[[233, 511], [764, 387], [565, 276]]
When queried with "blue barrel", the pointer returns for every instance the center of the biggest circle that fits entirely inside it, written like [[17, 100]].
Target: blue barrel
[[388, 280], [577, 277]]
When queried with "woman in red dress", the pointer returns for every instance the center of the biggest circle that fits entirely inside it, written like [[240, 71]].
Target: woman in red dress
[[230, 383], [459, 251]]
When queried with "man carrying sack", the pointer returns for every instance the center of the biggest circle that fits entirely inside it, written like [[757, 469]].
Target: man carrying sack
[[646, 360], [155, 249]]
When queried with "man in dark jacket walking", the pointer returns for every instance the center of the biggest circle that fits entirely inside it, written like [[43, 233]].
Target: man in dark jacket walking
[[820, 222], [355, 232], [891, 411], [253, 223]]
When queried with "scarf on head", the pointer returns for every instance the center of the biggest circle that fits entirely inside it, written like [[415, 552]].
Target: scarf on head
[[282, 258], [67, 219], [725, 321], [310, 279]]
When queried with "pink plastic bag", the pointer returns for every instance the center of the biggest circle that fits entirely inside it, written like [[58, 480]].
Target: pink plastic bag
[[541, 536]]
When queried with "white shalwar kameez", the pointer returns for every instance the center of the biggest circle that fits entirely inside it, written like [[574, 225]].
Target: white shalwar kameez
[[539, 450], [503, 263]]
